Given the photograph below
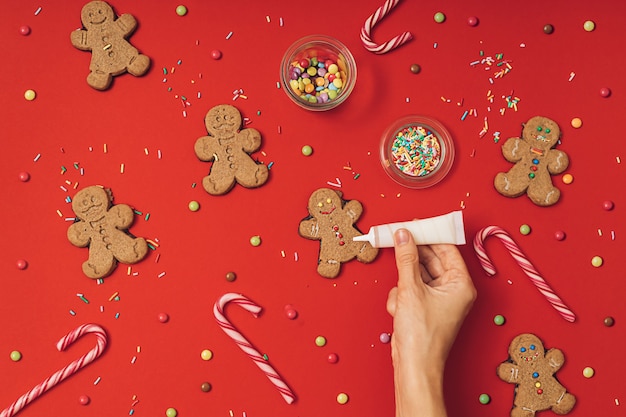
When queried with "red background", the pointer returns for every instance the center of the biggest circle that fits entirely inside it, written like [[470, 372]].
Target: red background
[[69, 123]]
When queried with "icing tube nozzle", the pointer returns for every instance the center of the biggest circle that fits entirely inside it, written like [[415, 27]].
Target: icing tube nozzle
[[447, 228]]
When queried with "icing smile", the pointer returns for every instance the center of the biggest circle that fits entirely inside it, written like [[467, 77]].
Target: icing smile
[[328, 211]]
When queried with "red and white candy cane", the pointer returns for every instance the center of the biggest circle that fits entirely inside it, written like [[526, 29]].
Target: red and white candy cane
[[68, 370], [242, 342], [523, 262], [371, 21]]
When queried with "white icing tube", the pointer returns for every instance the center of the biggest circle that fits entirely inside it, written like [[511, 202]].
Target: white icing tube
[[447, 228]]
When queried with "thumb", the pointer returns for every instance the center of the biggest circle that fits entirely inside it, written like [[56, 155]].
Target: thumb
[[407, 258]]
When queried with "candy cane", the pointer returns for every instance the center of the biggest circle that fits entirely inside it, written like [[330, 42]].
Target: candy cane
[[70, 369], [242, 342], [523, 262], [371, 21]]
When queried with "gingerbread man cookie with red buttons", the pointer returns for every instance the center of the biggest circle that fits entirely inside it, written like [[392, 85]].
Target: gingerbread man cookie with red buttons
[[228, 147], [102, 227], [532, 371], [105, 35], [331, 221], [535, 161]]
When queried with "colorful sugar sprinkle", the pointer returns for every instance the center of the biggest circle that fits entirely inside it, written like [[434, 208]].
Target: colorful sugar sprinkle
[[416, 151]]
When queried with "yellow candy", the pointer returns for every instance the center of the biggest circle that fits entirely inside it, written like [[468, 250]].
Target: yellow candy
[[30, 95], [576, 122], [333, 68], [338, 83]]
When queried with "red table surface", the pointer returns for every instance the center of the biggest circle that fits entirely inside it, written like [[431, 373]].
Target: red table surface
[[149, 366]]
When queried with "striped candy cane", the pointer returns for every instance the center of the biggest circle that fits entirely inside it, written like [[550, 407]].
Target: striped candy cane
[[371, 21], [242, 342], [60, 375], [523, 262]]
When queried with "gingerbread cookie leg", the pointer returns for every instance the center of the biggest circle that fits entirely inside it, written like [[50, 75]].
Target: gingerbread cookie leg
[[138, 65], [131, 251], [510, 185], [100, 263], [99, 79], [252, 175], [219, 181], [543, 193]]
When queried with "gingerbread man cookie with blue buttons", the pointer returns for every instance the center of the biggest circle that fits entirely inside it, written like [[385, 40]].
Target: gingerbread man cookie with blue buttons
[[532, 371], [535, 162]]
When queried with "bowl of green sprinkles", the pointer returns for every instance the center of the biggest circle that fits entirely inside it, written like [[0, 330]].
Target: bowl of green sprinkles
[[416, 151]]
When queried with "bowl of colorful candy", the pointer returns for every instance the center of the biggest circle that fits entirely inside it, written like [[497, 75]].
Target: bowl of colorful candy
[[416, 151], [318, 72]]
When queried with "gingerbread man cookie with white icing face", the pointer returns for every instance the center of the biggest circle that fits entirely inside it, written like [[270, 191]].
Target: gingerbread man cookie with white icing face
[[228, 146], [532, 371], [535, 161], [102, 226], [105, 36], [331, 221]]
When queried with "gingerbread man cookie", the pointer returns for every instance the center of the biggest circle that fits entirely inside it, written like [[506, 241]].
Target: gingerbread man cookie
[[331, 221], [102, 226], [535, 161], [105, 36], [228, 146], [532, 371]]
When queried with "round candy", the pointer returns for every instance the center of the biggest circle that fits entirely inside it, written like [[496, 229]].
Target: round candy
[[472, 21], [320, 341], [205, 387], [568, 179], [484, 398], [415, 68], [332, 358], [576, 122], [24, 176], [291, 313], [609, 321], [384, 337], [524, 229], [231, 276], [439, 17], [548, 29], [194, 205], [605, 92], [30, 95], [342, 398], [588, 372], [84, 400], [307, 150], [255, 240], [163, 317], [181, 10], [559, 235], [589, 25], [608, 205], [171, 412], [216, 54], [16, 355], [24, 30], [21, 264], [597, 261], [206, 355], [499, 320]]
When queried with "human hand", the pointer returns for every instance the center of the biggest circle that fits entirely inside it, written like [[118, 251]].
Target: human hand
[[434, 294]]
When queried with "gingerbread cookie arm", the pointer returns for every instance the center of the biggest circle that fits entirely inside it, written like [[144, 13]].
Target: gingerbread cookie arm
[[310, 229], [557, 161], [121, 216], [126, 24], [508, 372], [555, 358], [514, 149], [250, 139], [80, 39], [206, 148], [78, 235], [353, 209]]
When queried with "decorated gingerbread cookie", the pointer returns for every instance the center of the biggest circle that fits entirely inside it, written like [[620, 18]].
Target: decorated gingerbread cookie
[[331, 221], [535, 161], [105, 36], [532, 371], [102, 227], [229, 147]]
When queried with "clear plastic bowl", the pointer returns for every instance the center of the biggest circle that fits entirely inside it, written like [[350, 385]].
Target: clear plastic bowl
[[334, 70], [416, 151]]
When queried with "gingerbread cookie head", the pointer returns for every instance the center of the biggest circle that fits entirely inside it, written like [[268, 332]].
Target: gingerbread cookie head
[[102, 227], [332, 221], [535, 161], [105, 35], [532, 371], [228, 146]]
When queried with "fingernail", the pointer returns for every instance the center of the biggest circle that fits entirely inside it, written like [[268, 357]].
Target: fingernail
[[402, 236]]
